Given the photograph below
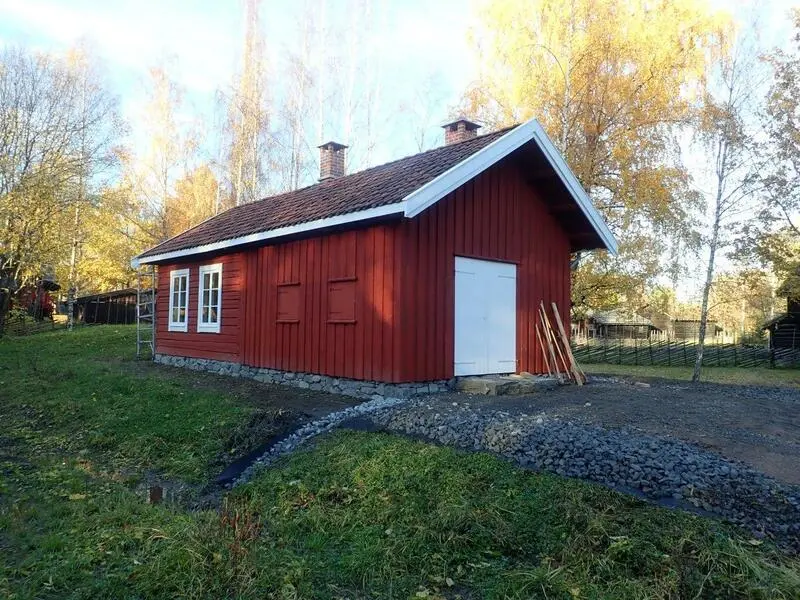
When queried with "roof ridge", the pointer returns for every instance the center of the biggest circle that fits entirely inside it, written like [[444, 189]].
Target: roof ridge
[[328, 182]]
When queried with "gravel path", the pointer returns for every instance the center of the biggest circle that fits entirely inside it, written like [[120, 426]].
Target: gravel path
[[313, 429], [757, 425], [731, 451], [669, 471]]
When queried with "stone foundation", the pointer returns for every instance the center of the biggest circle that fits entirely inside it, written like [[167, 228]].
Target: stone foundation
[[371, 390]]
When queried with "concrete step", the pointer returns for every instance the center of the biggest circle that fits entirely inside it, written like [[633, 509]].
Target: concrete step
[[504, 385]]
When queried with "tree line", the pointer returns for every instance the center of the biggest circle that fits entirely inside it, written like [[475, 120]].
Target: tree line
[[682, 129]]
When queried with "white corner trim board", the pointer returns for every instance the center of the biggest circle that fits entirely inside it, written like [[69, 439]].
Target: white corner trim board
[[429, 194]]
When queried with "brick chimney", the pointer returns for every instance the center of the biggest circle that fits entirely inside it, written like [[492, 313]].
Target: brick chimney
[[331, 160], [459, 130]]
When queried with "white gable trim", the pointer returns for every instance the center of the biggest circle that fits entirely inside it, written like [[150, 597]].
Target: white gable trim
[[575, 188], [457, 175], [362, 215], [429, 194], [433, 191]]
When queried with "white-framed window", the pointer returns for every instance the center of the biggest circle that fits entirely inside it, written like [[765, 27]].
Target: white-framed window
[[179, 300], [209, 298]]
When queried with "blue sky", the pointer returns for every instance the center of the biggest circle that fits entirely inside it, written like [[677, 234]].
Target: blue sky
[[420, 41], [423, 43], [426, 59]]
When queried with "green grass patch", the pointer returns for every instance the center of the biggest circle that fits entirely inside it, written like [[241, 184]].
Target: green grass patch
[[731, 375], [374, 516], [396, 517], [80, 392], [357, 516]]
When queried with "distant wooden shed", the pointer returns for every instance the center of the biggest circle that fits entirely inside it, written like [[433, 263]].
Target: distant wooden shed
[[117, 307], [784, 329], [614, 325], [689, 329]]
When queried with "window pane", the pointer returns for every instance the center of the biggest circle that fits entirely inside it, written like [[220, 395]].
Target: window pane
[[214, 298], [183, 284], [205, 314], [215, 280], [175, 314], [176, 298], [206, 295]]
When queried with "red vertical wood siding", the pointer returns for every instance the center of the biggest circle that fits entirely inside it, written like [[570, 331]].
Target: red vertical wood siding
[[496, 216], [225, 345], [361, 260], [403, 277]]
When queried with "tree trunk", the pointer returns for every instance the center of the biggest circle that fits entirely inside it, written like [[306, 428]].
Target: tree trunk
[[72, 267], [701, 342]]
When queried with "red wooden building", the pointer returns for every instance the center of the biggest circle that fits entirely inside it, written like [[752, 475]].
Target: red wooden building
[[417, 270]]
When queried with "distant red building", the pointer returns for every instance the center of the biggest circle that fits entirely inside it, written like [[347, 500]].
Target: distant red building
[[417, 270]]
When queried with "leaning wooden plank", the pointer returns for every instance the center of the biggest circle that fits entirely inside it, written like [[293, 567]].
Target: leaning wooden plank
[[553, 360], [551, 337], [544, 353], [580, 376]]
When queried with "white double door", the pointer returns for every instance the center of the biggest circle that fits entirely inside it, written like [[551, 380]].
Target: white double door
[[485, 317]]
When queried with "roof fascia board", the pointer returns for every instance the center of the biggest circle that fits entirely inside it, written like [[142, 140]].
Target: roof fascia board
[[433, 191], [362, 215], [575, 188], [436, 189]]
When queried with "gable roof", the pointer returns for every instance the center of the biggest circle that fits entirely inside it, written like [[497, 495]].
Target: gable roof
[[404, 187]]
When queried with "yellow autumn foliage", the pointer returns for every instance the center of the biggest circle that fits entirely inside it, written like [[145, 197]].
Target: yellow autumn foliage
[[615, 83]]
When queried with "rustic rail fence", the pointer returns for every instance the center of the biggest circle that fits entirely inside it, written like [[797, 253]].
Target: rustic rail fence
[[682, 354], [17, 325]]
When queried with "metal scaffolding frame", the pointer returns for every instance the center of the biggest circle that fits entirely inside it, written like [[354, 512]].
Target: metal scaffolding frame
[[146, 311]]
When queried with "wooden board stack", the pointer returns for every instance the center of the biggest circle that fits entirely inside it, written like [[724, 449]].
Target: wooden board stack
[[554, 342]]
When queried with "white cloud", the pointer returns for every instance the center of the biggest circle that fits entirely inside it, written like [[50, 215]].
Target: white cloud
[[132, 36]]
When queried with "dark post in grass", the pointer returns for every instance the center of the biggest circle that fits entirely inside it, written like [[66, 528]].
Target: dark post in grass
[[155, 494]]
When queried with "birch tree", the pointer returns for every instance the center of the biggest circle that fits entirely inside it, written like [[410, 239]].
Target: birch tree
[[334, 89], [170, 151], [726, 133], [247, 135], [57, 126], [615, 84]]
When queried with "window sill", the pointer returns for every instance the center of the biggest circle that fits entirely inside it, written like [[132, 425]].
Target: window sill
[[208, 330], [178, 328]]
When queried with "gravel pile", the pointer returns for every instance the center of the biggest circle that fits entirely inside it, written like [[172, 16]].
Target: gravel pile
[[314, 428], [667, 471]]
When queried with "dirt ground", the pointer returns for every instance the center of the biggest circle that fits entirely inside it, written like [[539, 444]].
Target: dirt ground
[[305, 403], [759, 426], [278, 411]]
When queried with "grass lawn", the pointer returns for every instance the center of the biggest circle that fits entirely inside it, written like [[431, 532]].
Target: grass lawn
[[734, 375], [358, 515]]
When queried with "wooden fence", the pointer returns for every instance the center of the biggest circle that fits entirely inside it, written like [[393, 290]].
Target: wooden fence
[[682, 354], [16, 325]]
